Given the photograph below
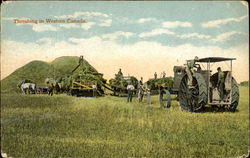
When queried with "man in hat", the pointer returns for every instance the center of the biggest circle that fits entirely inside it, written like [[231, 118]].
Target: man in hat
[[51, 89], [140, 90], [155, 75], [147, 92], [130, 89], [120, 72], [221, 83], [163, 74], [189, 70]]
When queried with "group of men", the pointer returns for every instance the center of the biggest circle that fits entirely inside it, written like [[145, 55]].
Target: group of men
[[142, 89], [163, 75]]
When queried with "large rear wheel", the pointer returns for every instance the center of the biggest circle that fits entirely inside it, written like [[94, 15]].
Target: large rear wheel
[[194, 98], [235, 96]]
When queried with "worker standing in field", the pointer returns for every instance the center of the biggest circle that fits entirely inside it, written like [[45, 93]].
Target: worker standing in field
[[148, 94], [130, 89], [140, 90], [51, 89], [220, 83], [94, 88]]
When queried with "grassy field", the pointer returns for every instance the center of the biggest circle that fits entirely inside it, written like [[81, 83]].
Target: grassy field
[[65, 126]]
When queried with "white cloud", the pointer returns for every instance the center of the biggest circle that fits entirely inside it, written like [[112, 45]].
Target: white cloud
[[108, 56], [194, 35], [44, 27], [12, 18], [156, 32], [115, 35], [144, 20], [74, 40], [106, 23], [8, 18], [160, 31], [45, 40], [87, 14], [87, 25], [174, 24], [124, 20], [217, 23], [224, 36], [69, 26]]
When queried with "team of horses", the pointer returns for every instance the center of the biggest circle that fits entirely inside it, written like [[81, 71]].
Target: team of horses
[[32, 88], [27, 88]]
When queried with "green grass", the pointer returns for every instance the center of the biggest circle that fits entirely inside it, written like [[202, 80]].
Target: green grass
[[65, 126]]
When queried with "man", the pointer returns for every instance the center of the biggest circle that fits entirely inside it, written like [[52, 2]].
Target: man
[[141, 80], [189, 70], [148, 94], [119, 76], [120, 72], [140, 90], [155, 75], [51, 89], [94, 87], [130, 89], [163, 74], [221, 83], [80, 59]]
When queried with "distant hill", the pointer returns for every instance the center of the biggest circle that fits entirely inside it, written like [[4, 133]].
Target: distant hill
[[244, 83], [38, 71]]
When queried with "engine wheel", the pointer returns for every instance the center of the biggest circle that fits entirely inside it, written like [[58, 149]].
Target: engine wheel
[[165, 98], [235, 96], [192, 99]]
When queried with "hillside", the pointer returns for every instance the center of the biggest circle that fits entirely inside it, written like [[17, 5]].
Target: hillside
[[66, 64], [38, 71]]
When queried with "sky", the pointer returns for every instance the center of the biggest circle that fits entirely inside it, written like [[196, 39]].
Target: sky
[[141, 38]]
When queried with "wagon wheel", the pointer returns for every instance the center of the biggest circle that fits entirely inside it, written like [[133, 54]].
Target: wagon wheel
[[235, 96], [165, 98], [193, 98]]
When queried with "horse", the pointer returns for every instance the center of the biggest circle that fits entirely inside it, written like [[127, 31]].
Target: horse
[[31, 87]]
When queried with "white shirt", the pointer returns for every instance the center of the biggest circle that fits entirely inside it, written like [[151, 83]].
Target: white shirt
[[130, 87]]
